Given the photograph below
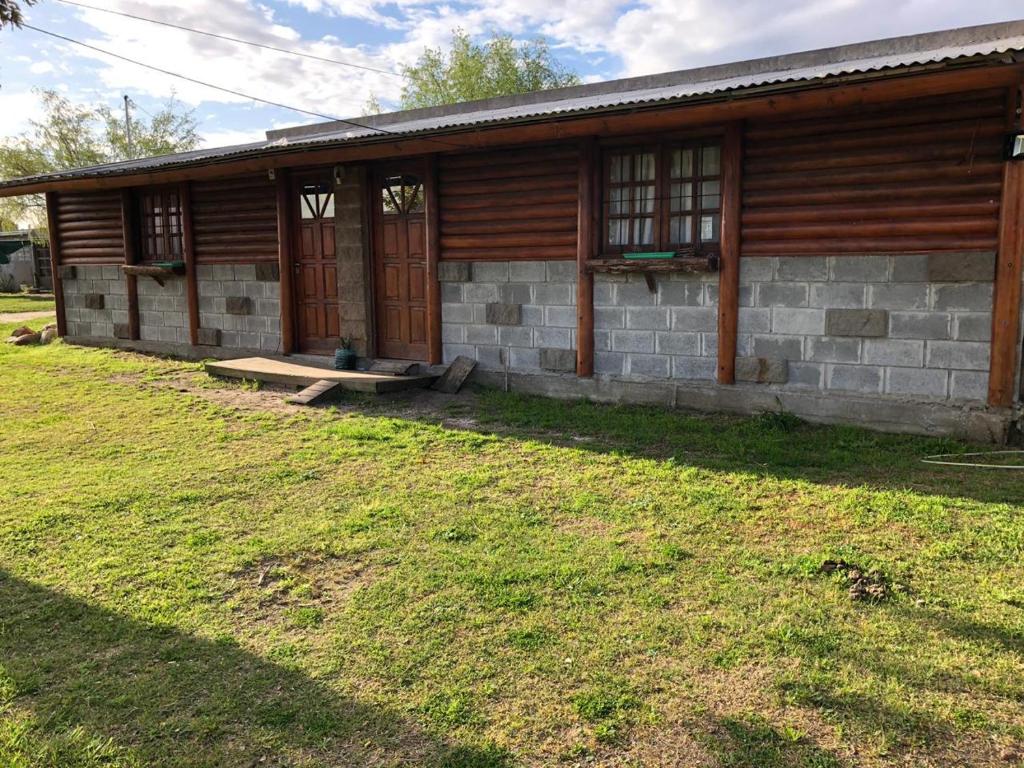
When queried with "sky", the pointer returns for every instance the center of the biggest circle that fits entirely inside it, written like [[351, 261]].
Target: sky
[[598, 39]]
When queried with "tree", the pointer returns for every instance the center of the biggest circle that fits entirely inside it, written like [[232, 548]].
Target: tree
[[74, 136], [10, 13], [500, 67]]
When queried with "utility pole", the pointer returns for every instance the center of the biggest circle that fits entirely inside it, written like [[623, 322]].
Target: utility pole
[[128, 127]]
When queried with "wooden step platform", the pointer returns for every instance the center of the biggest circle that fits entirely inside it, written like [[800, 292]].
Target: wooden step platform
[[315, 394], [283, 371]]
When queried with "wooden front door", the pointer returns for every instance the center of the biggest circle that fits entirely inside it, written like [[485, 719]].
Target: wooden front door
[[315, 264], [400, 263]]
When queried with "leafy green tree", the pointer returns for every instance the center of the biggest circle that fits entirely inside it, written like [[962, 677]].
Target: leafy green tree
[[499, 67], [75, 136], [10, 13]]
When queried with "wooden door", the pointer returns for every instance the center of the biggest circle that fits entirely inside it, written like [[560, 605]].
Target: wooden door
[[315, 264], [400, 263]]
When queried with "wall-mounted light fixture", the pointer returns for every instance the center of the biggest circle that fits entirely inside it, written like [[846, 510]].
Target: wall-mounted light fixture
[[1015, 146]]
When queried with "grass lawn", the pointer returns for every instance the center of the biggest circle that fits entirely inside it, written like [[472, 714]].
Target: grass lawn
[[25, 302], [188, 578]]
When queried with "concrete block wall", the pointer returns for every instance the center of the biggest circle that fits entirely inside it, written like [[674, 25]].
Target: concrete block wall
[[90, 281], [163, 310], [220, 286], [524, 311], [668, 333], [902, 325]]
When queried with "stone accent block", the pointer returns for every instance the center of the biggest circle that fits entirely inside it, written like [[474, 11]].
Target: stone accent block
[[209, 337], [122, 331], [961, 267], [504, 314], [454, 271], [762, 370], [558, 359], [68, 272], [267, 271], [856, 322], [238, 305], [93, 301]]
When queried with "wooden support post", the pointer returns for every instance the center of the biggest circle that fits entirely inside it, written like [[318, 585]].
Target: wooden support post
[[131, 256], [188, 247], [587, 207], [284, 260], [729, 257], [1006, 298], [433, 222], [58, 284]]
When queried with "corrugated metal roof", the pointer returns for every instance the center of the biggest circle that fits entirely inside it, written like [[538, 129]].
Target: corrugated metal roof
[[674, 87]]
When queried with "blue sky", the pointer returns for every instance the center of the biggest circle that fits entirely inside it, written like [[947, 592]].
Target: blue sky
[[600, 39]]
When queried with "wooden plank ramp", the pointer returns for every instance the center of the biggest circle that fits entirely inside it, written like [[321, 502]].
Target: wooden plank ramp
[[315, 393], [281, 371]]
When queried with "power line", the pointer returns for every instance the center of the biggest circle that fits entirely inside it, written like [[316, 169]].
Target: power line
[[236, 39], [205, 84]]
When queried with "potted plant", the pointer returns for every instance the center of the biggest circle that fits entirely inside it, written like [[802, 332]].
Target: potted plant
[[345, 356]]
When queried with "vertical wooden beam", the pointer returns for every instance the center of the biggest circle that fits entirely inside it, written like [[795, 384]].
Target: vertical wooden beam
[[284, 261], [1005, 348], [729, 257], [188, 247], [58, 284], [433, 222], [586, 226], [131, 256]]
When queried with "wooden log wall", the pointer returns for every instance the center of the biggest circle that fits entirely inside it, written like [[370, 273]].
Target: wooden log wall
[[918, 177], [235, 220], [89, 227], [518, 204]]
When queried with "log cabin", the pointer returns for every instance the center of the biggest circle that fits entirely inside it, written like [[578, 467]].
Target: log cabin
[[835, 233]]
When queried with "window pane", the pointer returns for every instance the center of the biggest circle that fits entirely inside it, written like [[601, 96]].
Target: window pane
[[682, 163], [643, 230], [680, 229], [306, 207], [709, 226], [616, 201], [327, 205], [617, 167], [710, 194], [682, 196], [645, 167], [645, 199], [710, 163], [616, 232]]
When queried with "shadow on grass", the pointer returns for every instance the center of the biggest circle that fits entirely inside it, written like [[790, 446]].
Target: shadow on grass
[[752, 742], [162, 697], [772, 444]]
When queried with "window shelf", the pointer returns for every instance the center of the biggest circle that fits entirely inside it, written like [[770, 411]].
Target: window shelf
[[158, 272], [693, 264]]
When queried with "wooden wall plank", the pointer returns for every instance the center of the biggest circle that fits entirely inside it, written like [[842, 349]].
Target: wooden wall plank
[[729, 253], [188, 246], [586, 229], [91, 228], [916, 177], [52, 205], [1006, 299], [284, 256], [433, 245], [235, 220], [509, 204]]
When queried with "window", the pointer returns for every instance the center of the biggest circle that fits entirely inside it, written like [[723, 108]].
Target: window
[[401, 194], [316, 201], [662, 197], [160, 224]]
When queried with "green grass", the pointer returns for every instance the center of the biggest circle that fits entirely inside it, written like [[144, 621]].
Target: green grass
[[189, 580], [25, 302]]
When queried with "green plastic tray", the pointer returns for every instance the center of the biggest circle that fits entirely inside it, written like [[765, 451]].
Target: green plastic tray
[[651, 255]]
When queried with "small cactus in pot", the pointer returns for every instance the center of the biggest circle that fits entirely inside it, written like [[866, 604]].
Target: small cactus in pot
[[345, 356]]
